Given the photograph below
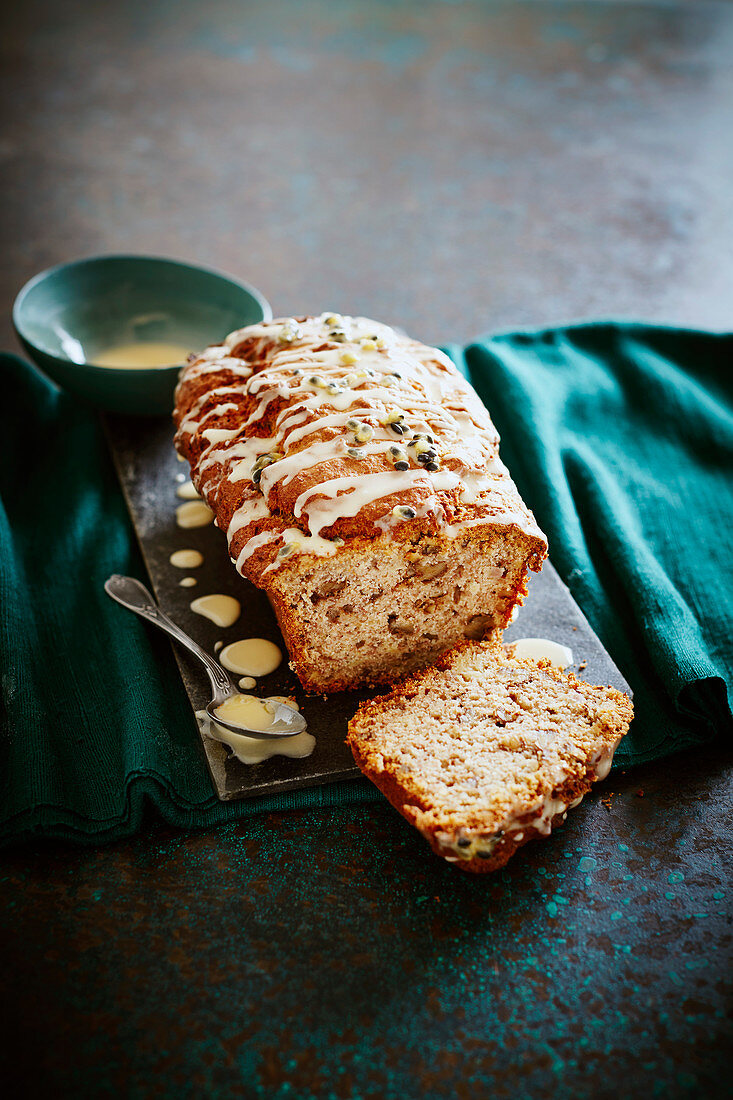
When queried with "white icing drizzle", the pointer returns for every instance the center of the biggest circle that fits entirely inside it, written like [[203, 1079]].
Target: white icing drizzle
[[187, 492], [603, 760], [324, 389], [255, 543], [222, 610], [346, 496], [192, 421], [247, 452], [304, 544], [247, 513], [251, 657], [186, 559], [336, 420], [550, 807], [220, 435], [542, 649], [194, 513]]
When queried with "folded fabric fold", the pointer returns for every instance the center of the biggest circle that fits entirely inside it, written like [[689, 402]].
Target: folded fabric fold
[[620, 438]]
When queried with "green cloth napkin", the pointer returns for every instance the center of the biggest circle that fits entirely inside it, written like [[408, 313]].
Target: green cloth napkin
[[95, 725], [619, 436]]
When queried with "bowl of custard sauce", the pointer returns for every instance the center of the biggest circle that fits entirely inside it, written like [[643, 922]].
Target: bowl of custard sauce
[[116, 330]]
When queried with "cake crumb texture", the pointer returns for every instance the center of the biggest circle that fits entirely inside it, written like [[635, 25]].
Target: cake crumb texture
[[486, 751]]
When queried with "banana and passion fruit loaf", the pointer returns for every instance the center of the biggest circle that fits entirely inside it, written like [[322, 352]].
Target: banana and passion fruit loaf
[[485, 751], [356, 475]]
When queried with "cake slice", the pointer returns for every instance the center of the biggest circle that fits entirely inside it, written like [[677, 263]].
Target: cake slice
[[486, 751]]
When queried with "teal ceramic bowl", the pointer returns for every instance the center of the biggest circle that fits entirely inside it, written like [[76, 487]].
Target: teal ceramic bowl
[[70, 314]]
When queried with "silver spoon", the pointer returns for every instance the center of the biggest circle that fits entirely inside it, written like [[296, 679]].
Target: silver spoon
[[133, 595]]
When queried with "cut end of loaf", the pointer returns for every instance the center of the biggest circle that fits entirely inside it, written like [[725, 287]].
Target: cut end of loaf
[[486, 751]]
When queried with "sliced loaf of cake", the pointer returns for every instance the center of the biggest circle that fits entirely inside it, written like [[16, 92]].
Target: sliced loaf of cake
[[485, 751], [357, 476]]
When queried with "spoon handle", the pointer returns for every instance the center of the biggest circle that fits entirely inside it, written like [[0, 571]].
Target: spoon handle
[[135, 597]]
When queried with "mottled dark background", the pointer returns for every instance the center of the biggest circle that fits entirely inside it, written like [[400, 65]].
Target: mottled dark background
[[454, 167]]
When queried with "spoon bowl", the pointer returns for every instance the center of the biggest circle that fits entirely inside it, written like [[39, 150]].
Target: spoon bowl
[[133, 595], [286, 721]]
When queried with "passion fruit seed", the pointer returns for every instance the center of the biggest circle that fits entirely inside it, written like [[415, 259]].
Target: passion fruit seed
[[348, 358], [402, 511], [399, 457], [262, 462], [352, 424], [368, 344], [354, 452], [334, 389], [420, 446], [364, 433], [289, 331], [395, 420]]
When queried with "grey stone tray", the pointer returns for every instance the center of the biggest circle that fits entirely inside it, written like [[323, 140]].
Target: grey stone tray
[[147, 467]]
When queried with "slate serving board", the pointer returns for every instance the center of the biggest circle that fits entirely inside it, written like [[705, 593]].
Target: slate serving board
[[149, 472]]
